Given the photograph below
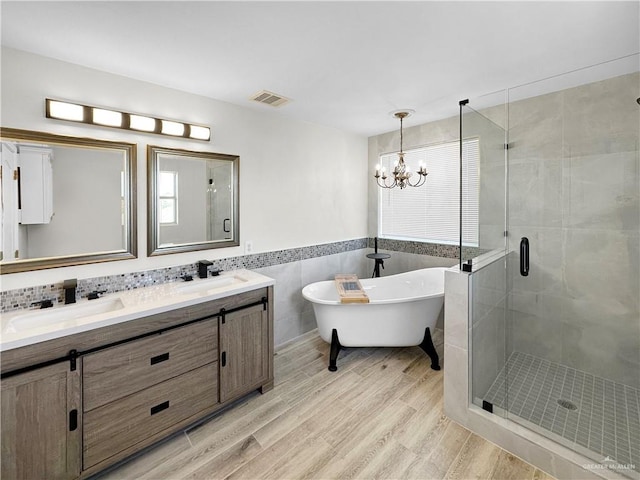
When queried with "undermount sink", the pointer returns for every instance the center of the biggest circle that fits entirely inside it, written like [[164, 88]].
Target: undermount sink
[[204, 286], [46, 316]]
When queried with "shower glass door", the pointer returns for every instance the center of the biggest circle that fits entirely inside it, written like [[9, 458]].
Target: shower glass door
[[572, 284], [482, 176], [483, 120], [573, 337]]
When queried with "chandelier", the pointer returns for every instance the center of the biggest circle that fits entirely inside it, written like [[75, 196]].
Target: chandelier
[[401, 173]]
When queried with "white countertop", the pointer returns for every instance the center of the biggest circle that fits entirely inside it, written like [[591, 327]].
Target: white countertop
[[26, 327]]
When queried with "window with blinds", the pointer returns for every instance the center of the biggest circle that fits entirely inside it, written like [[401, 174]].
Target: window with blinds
[[431, 212]]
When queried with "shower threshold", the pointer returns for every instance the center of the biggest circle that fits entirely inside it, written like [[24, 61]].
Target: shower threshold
[[592, 415]]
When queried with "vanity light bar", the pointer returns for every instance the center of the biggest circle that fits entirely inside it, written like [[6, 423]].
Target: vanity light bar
[[74, 112]]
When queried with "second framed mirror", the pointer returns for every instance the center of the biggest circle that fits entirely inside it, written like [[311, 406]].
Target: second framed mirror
[[193, 200]]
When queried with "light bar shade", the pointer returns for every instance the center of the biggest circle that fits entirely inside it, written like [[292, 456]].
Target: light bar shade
[[199, 133], [65, 111], [74, 112], [108, 118], [172, 128], [145, 124]]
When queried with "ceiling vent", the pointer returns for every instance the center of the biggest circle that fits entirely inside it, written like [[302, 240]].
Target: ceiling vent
[[269, 98]]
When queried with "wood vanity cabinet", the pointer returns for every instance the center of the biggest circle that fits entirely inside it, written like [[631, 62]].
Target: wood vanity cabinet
[[41, 429], [136, 390], [244, 352], [134, 384]]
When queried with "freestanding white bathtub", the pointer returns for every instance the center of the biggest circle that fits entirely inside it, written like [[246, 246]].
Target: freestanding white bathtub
[[402, 311]]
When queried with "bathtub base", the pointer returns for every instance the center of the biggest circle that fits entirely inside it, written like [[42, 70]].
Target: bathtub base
[[430, 349], [335, 350], [426, 345]]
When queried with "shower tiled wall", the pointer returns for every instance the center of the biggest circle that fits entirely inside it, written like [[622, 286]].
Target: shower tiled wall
[[574, 192], [526, 444]]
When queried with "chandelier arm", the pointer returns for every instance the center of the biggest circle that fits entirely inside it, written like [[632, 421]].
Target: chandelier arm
[[419, 183], [384, 184]]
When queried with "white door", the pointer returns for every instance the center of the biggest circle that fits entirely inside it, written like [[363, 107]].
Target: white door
[[9, 197]]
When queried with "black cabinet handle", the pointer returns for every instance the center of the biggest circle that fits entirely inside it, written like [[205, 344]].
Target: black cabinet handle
[[224, 225], [160, 358], [524, 256], [160, 407], [73, 420], [223, 359]]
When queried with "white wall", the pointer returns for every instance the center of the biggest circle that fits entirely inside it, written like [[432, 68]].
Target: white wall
[[300, 184]]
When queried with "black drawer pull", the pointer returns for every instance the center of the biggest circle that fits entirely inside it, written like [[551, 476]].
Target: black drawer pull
[[160, 358], [73, 420], [223, 359], [160, 407]]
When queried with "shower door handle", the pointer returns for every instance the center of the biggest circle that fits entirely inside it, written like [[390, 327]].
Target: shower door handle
[[226, 229], [524, 256]]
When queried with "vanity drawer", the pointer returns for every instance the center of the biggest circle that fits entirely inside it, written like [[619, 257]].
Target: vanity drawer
[[117, 426], [119, 371]]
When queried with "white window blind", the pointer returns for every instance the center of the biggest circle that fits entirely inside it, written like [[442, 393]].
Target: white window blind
[[168, 197], [431, 212]]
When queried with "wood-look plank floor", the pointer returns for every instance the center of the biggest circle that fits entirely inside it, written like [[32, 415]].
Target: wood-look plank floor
[[380, 416]]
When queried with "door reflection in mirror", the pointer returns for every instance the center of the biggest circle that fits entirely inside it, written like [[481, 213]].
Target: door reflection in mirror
[[193, 200], [65, 200]]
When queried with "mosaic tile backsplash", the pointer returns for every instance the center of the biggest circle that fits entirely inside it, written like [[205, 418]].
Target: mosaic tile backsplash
[[422, 248], [25, 297]]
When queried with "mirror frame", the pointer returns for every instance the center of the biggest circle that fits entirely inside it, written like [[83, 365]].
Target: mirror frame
[[153, 246], [130, 149]]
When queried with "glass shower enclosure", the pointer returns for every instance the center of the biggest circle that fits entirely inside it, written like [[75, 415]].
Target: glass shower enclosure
[[555, 308]]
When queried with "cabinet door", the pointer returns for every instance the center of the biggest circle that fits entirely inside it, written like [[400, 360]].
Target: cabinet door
[[244, 351], [36, 185], [41, 424]]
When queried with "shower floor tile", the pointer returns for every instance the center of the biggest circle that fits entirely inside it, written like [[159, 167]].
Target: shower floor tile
[[596, 414]]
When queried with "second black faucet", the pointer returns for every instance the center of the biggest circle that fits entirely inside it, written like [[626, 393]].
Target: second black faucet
[[70, 290], [203, 268]]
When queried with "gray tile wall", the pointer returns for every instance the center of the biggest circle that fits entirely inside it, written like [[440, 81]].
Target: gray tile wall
[[24, 297], [293, 314], [574, 189], [292, 269]]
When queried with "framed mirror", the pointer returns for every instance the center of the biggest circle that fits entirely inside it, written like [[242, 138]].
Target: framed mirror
[[65, 201], [193, 200]]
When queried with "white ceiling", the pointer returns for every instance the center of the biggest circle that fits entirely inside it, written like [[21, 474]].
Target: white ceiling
[[344, 64]]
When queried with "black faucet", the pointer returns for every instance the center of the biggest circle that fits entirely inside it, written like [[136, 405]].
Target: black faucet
[[203, 268], [95, 294], [70, 290], [44, 303]]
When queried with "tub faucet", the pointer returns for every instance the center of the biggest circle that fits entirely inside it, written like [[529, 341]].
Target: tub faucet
[[203, 268], [70, 290]]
